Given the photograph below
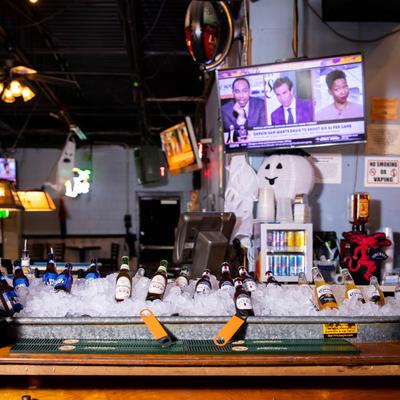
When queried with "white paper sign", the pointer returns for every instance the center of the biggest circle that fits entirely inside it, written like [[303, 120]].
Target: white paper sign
[[382, 171], [328, 167]]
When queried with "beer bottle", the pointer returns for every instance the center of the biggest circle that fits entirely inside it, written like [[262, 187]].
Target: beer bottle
[[271, 279], [26, 261], [19, 279], [123, 285], [249, 283], [323, 292], [352, 291], [226, 281], [377, 295], [50, 274], [158, 283], [93, 271], [183, 278], [242, 299], [65, 279], [8, 298], [203, 285], [303, 283]]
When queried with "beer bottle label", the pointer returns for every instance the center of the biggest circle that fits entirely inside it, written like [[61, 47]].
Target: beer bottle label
[[181, 281], [203, 288], [325, 295], [226, 285], [249, 285], [157, 285], [354, 293], [375, 295], [63, 282], [243, 302], [21, 282], [49, 278], [123, 288]]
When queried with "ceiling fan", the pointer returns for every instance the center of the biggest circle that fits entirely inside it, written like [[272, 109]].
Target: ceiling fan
[[12, 77]]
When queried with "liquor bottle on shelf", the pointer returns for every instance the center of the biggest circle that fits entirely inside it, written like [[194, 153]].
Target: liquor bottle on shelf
[[323, 291], [183, 278], [303, 283], [158, 283], [242, 299], [376, 293], [92, 271], [249, 283], [271, 279], [226, 281], [65, 279], [26, 261], [19, 279], [123, 283], [352, 291], [8, 298], [358, 207], [50, 274], [203, 285]]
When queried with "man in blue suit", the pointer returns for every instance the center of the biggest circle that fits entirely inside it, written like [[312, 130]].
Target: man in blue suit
[[292, 110], [243, 112]]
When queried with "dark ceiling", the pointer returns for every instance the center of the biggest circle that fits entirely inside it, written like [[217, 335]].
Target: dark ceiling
[[131, 74]]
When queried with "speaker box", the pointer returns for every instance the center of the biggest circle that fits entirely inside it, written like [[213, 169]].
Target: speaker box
[[360, 11], [148, 160]]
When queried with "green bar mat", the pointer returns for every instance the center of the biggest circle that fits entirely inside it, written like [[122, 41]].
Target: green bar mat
[[139, 346]]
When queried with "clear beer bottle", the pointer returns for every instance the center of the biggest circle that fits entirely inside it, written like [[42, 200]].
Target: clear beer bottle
[[376, 293], [323, 292], [352, 291], [158, 283], [26, 261], [123, 283]]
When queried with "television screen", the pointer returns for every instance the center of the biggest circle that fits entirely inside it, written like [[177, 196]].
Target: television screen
[[180, 147], [8, 169], [302, 103]]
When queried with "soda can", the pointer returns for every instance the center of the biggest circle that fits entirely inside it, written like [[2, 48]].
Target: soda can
[[285, 265], [282, 239], [299, 264], [275, 239], [292, 265], [299, 239], [270, 264], [269, 238], [277, 266], [290, 239]]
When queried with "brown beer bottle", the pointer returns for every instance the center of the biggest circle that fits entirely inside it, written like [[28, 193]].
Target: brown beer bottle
[[249, 283], [243, 304], [158, 283], [226, 281], [271, 279], [123, 286], [203, 285]]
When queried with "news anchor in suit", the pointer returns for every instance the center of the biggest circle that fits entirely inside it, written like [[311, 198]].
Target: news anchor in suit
[[292, 109], [242, 110]]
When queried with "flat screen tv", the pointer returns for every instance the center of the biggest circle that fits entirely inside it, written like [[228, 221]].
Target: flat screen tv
[[8, 169], [180, 146], [301, 103]]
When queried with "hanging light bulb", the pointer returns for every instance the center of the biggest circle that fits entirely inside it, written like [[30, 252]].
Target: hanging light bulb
[[33, 1], [16, 88], [27, 93], [7, 96]]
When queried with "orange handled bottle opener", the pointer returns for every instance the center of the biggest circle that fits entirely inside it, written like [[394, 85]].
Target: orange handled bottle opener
[[228, 330], [159, 333]]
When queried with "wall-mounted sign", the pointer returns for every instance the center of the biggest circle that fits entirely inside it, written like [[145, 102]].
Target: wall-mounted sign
[[80, 183], [382, 171]]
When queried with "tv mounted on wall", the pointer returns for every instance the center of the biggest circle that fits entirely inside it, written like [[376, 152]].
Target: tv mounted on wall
[[180, 146], [301, 103], [8, 169]]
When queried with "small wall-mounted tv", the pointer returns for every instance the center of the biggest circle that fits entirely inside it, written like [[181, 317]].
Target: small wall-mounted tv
[[8, 169], [301, 103], [180, 146]]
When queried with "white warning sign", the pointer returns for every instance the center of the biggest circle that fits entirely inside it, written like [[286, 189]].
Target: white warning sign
[[382, 171]]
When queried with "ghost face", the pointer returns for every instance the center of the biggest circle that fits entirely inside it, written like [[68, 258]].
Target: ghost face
[[287, 175]]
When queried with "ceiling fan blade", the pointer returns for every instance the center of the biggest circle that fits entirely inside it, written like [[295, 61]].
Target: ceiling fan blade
[[22, 70], [52, 80]]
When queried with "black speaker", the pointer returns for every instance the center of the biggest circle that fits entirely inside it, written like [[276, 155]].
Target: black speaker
[[360, 11], [148, 160]]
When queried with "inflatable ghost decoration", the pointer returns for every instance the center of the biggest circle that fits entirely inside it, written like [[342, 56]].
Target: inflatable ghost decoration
[[287, 175]]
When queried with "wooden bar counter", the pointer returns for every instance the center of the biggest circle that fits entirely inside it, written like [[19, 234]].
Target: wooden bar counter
[[373, 373]]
